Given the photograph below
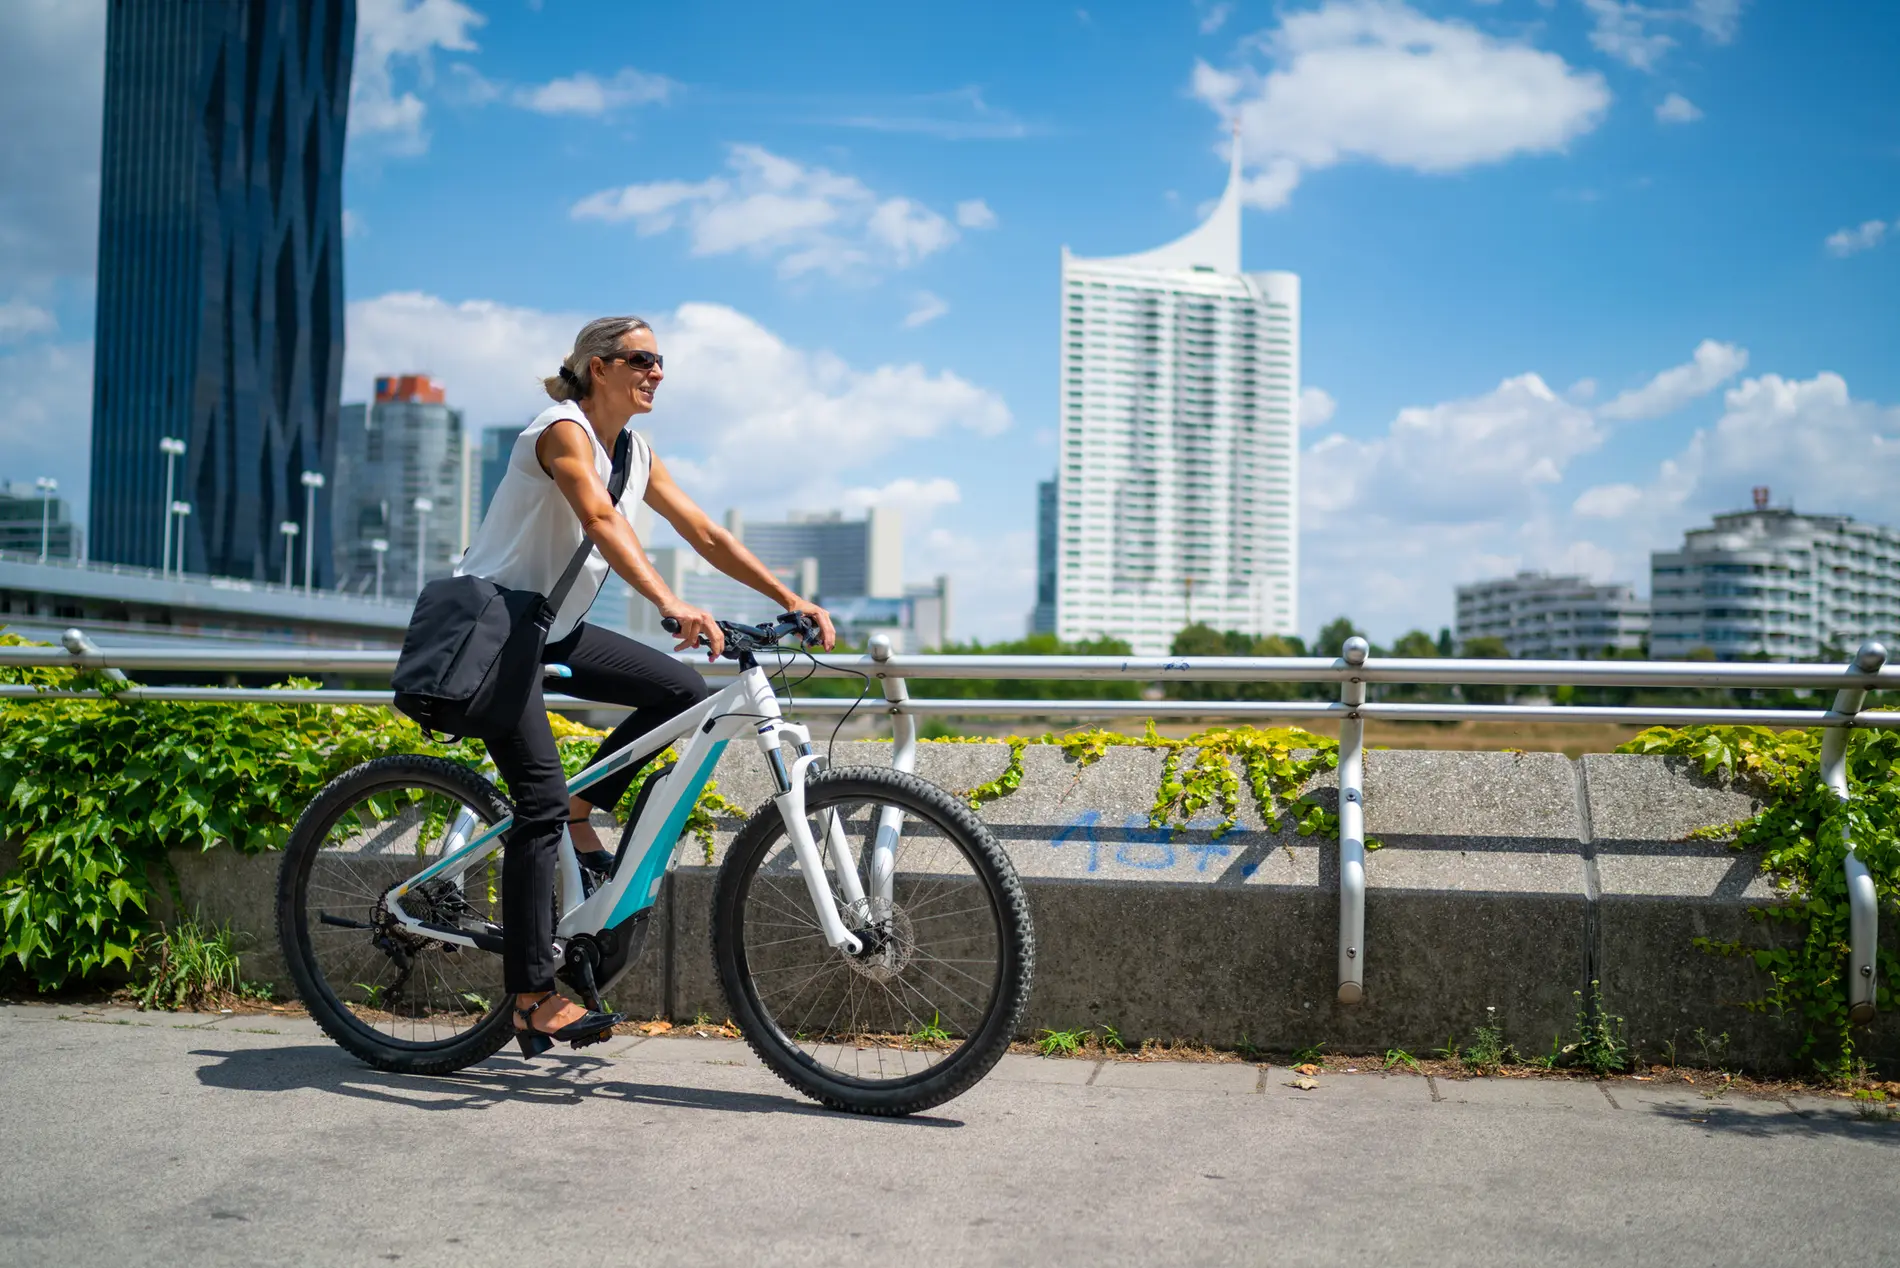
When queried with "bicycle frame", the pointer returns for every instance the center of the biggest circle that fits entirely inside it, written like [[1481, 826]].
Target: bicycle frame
[[748, 704]]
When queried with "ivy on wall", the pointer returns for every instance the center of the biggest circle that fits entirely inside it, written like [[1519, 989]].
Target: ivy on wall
[[1802, 833], [1197, 773], [96, 793]]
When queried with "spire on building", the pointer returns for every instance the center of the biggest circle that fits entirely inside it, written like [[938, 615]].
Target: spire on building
[[1214, 244]]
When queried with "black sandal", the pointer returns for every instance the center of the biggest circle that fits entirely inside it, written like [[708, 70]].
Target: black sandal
[[597, 866], [593, 1028]]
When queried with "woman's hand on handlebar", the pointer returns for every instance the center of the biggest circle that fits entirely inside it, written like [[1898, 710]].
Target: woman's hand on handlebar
[[695, 625], [827, 636]]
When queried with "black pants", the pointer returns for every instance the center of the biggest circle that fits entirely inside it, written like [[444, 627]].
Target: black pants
[[614, 670]]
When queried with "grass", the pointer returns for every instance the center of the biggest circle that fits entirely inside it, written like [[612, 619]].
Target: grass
[[1061, 1043], [189, 966]]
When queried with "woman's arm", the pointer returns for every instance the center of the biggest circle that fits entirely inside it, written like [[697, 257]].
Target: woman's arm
[[724, 551], [567, 454]]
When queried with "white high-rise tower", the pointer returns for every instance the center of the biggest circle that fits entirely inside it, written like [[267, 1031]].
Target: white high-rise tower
[[1179, 484]]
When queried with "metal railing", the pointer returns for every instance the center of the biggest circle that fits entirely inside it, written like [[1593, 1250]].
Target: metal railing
[[1354, 670]]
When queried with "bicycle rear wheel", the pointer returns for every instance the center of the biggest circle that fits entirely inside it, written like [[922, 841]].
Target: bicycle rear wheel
[[933, 1000], [398, 1000]]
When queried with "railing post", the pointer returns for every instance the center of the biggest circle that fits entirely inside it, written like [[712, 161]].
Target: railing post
[[890, 821], [1352, 831], [903, 725], [1863, 911], [76, 643]]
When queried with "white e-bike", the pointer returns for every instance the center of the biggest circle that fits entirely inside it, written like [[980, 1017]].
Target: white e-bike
[[872, 939]]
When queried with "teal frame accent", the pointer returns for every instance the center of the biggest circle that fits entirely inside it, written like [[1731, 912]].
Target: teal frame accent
[[447, 860], [636, 897]]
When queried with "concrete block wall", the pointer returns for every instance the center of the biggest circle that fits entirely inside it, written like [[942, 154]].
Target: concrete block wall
[[1505, 881]]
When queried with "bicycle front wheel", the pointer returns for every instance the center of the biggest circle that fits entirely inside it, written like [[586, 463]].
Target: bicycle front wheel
[[398, 1000], [932, 1001]]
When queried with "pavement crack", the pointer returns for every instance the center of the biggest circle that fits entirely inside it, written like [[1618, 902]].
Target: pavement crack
[[1605, 1089], [1432, 1085], [1094, 1074]]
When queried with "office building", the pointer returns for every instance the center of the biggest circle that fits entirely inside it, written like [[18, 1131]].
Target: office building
[[699, 583], [30, 520], [853, 558], [919, 621], [1774, 582], [404, 448], [1553, 618], [1042, 617], [1179, 477], [220, 284], [497, 444]]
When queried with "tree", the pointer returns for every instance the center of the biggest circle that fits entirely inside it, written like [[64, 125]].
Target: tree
[[1333, 635], [1415, 645], [1200, 639], [1486, 647], [1445, 645]]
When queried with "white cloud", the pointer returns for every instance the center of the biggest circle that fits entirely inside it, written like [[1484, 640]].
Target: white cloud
[[1712, 365], [974, 213], [1377, 80], [1676, 108], [1468, 489], [390, 32], [1213, 16], [916, 499], [46, 416], [925, 309], [1862, 237], [20, 320], [353, 225], [1317, 407], [1624, 32], [586, 94], [1436, 462], [961, 114], [808, 219], [1607, 501], [1808, 439], [1635, 34], [52, 78]]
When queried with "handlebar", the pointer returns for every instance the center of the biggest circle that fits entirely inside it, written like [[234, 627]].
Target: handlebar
[[741, 639]]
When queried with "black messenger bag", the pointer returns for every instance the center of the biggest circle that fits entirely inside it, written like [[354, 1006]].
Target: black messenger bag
[[473, 649]]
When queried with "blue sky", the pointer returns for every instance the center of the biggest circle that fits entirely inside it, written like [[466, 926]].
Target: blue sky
[[1575, 274]]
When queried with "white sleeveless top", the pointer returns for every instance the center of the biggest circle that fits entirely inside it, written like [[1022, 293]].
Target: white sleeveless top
[[530, 532]]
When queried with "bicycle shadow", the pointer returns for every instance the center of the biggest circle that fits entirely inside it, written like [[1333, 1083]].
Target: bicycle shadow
[[567, 1080]]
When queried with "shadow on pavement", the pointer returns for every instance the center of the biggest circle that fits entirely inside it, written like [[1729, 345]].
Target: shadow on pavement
[[323, 1068], [1756, 1119]]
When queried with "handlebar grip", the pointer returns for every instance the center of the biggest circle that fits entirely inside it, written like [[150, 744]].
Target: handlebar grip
[[670, 624]]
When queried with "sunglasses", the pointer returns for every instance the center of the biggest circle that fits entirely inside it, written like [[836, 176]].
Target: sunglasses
[[641, 360]]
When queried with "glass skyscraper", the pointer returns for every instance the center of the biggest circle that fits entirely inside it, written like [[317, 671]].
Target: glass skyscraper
[[406, 445], [220, 311], [1179, 483]]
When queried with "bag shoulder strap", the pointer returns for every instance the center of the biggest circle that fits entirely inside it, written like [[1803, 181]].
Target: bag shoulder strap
[[616, 485]]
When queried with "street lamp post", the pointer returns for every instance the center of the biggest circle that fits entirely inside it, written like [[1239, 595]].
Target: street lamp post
[[47, 487], [381, 546], [289, 529], [172, 449], [181, 510], [423, 507], [312, 481]]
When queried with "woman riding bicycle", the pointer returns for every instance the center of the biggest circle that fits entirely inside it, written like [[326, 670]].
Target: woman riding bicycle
[[554, 493]]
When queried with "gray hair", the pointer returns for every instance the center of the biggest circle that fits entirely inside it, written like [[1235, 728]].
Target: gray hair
[[599, 338]]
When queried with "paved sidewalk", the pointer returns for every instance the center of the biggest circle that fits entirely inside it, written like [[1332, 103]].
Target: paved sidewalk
[[156, 1139]]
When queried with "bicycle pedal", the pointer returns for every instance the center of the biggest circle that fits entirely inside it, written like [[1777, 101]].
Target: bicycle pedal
[[599, 1036]]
